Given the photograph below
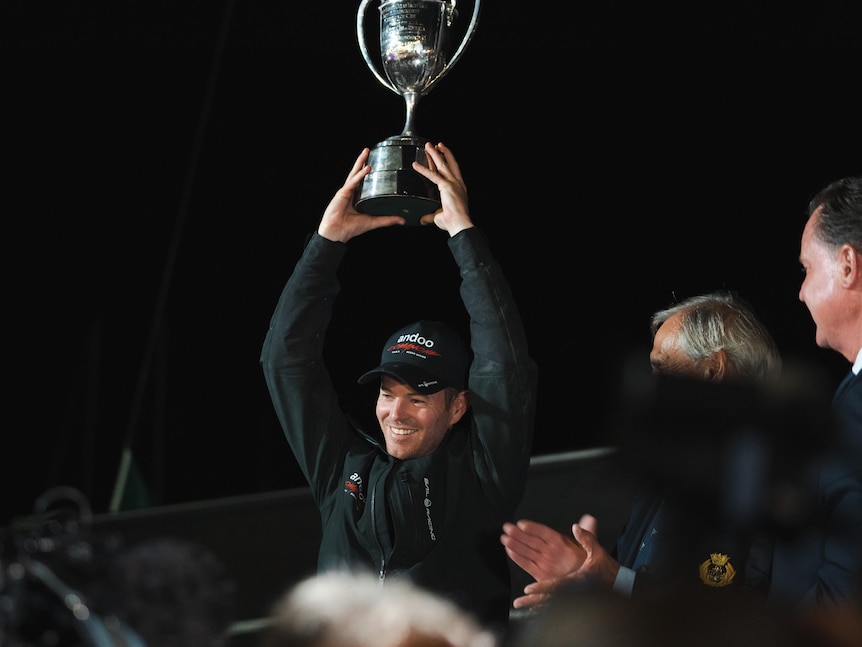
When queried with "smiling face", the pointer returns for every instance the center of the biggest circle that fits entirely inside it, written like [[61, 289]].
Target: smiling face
[[821, 290], [414, 424]]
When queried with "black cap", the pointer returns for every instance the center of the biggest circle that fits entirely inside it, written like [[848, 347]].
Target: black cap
[[426, 355]]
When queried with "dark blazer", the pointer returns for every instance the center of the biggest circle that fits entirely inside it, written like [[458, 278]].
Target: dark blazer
[[673, 541], [822, 564]]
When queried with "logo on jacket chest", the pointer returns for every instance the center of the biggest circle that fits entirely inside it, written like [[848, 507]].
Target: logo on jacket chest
[[427, 503], [717, 570], [355, 487]]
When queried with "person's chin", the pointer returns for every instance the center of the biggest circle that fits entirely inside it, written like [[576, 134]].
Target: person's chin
[[400, 449]]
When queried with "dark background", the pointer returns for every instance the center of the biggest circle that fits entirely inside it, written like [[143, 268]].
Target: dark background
[[165, 161]]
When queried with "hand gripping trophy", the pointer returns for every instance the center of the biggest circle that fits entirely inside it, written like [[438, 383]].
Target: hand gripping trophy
[[415, 41]]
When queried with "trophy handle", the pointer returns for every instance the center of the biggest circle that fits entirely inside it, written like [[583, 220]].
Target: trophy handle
[[360, 37], [468, 35]]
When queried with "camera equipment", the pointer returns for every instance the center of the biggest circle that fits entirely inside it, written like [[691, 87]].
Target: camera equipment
[[49, 576]]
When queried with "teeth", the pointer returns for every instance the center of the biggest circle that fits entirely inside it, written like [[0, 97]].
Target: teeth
[[401, 432]]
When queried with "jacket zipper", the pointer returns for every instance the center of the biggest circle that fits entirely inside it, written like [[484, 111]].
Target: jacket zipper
[[382, 572]]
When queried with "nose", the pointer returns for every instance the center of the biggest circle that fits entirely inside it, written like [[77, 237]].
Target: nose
[[398, 405]]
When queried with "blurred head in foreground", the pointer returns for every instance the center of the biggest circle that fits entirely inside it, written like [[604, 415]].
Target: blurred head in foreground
[[343, 608]]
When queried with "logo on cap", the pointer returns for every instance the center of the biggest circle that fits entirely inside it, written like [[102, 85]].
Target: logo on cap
[[414, 344], [427, 355]]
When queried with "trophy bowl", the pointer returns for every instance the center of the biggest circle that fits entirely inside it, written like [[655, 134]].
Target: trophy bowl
[[416, 42]]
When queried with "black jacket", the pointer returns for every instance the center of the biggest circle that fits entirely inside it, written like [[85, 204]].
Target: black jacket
[[435, 519]]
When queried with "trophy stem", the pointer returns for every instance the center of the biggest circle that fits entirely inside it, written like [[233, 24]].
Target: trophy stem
[[410, 100]]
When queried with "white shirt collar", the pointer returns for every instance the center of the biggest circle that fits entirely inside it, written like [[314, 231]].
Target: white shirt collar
[[857, 365]]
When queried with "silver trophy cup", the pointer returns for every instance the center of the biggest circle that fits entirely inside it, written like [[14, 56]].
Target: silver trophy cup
[[416, 37]]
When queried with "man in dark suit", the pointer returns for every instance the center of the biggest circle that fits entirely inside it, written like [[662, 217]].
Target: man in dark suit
[[820, 567], [713, 338]]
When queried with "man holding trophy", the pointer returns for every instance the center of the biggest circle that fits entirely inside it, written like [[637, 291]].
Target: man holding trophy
[[422, 497]]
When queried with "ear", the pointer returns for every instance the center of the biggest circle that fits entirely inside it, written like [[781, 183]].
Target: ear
[[717, 368], [458, 407], [849, 261]]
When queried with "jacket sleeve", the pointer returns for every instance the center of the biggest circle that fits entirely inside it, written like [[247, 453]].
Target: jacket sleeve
[[503, 377], [292, 360]]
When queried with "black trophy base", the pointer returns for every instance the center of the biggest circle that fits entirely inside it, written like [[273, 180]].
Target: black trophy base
[[393, 188]]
